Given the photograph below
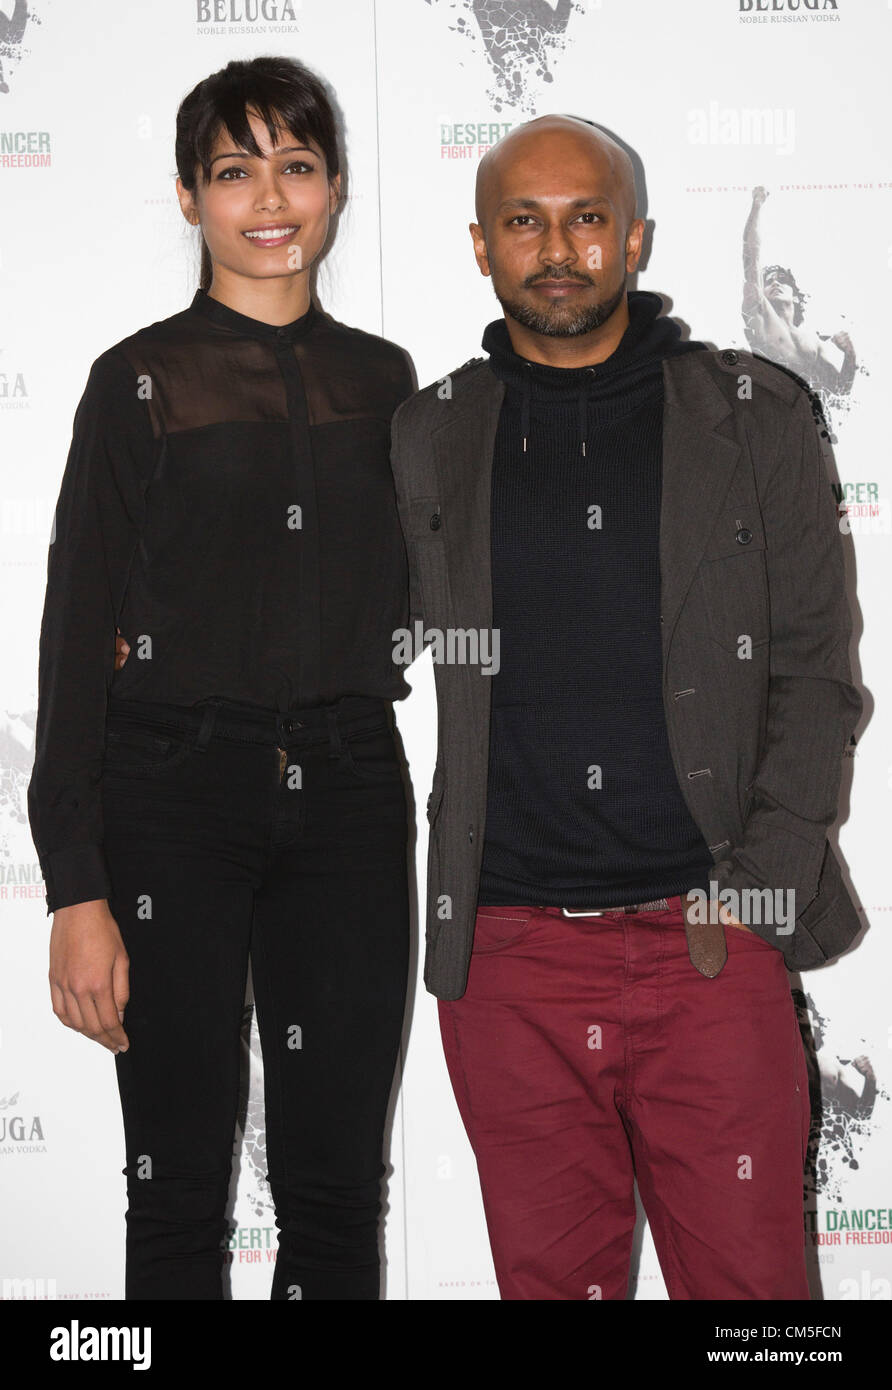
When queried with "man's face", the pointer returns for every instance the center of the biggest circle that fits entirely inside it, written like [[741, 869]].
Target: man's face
[[777, 288], [556, 240]]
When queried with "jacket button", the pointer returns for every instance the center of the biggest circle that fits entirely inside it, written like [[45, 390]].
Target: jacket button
[[435, 522], [744, 536], [471, 835], [730, 358]]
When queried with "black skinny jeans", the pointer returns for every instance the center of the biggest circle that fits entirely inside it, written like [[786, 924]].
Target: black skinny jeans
[[220, 848]]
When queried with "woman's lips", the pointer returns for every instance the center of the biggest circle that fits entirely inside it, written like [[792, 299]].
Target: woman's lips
[[264, 238]]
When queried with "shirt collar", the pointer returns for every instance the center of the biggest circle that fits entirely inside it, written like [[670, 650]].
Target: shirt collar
[[221, 314]]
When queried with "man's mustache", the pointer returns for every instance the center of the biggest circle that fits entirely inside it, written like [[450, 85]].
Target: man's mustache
[[554, 275]]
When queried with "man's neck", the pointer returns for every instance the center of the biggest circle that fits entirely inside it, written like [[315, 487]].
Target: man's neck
[[581, 350]]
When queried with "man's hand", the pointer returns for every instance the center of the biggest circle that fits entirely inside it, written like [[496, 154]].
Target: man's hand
[[89, 970], [863, 1064], [122, 650], [725, 916], [759, 195], [729, 921]]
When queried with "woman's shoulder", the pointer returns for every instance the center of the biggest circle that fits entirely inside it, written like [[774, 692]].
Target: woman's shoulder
[[119, 380], [128, 356], [367, 353]]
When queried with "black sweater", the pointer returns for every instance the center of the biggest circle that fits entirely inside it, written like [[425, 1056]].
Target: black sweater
[[584, 806], [228, 503]]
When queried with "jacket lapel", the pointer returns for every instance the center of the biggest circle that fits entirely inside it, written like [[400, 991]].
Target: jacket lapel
[[463, 449], [698, 464]]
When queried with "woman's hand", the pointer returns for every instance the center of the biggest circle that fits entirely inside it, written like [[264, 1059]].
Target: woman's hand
[[89, 971], [122, 650]]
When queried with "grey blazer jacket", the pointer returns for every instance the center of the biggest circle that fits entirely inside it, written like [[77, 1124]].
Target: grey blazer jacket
[[749, 545]]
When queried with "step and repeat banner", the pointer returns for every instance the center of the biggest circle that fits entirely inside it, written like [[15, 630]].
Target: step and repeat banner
[[753, 124]]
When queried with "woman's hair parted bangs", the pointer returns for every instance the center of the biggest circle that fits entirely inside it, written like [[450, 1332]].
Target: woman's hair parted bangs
[[284, 94]]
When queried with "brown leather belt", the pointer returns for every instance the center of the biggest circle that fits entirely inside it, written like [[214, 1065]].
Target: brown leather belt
[[707, 947], [658, 905]]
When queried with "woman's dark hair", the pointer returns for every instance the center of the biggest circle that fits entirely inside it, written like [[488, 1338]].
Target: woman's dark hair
[[282, 92]]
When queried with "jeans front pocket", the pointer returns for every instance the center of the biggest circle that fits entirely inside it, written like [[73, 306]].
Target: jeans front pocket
[[370, 755], [498, 927], [143, 750], [748, 935]]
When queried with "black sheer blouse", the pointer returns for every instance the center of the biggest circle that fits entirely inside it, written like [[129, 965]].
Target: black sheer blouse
[[228, 504]]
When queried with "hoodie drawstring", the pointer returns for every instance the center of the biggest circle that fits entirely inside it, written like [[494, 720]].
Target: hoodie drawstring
[[582, 406], [633, 367]]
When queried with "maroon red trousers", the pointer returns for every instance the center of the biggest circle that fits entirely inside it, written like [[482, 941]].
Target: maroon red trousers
[[589, 1051]]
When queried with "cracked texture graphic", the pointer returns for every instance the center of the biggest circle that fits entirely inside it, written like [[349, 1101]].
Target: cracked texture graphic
[[518, 36], [12, 32]]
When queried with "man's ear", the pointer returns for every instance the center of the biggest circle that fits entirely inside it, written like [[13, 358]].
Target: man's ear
[[634, 239], [480, 253]]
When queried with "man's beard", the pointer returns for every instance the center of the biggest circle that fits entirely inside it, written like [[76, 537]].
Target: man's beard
[[561, 325]]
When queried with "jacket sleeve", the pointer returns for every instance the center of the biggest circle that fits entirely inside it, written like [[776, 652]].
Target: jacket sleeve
[[95, 529], [813, 706]]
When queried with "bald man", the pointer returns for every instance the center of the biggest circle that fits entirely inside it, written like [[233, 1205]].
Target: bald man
[[629, 812]]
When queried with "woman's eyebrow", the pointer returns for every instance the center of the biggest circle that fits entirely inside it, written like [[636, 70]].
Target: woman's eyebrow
[[243, 154]]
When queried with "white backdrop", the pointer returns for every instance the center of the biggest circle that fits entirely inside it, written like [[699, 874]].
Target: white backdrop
[[715, 97]]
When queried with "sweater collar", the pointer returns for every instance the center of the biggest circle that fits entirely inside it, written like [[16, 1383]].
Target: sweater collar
[[225, 317], [629, 373]]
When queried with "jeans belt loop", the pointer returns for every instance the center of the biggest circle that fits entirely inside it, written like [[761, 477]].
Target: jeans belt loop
[[208, 720], [334, 733]]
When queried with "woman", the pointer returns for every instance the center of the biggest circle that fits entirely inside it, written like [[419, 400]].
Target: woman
[[233, 790]]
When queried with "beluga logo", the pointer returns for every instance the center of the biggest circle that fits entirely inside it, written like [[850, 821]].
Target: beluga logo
[[786, 11], [246, 16]]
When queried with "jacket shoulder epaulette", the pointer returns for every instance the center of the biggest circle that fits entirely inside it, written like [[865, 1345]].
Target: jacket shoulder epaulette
[[418, 401], [457, 371], [765, 373], [465, 367]]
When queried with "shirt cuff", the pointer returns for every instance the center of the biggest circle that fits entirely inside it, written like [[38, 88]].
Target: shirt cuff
[[76, 875]]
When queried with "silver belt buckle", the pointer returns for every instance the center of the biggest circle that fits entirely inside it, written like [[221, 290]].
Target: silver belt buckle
[[657, 905]]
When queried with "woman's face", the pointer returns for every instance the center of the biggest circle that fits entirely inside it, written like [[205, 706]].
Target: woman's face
[[263, 216]]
